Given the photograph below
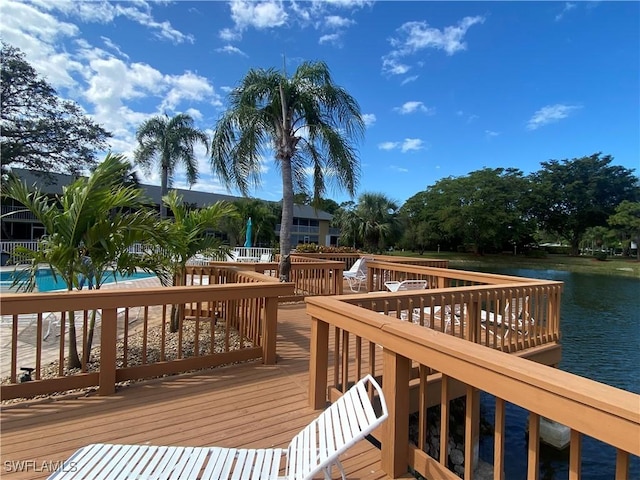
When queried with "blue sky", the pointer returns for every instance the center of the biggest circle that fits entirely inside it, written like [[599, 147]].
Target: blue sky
[[446, 87]]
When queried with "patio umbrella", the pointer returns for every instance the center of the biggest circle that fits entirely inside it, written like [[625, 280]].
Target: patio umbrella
[[247, 238]]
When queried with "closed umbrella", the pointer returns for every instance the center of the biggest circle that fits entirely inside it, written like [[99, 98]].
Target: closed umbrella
[[247, 238]]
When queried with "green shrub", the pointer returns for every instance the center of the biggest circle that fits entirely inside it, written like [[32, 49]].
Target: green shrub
[[536, 253], [313, 248], [602, 256]]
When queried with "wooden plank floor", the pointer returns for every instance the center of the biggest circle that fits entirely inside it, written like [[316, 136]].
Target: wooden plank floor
[[248, 405]]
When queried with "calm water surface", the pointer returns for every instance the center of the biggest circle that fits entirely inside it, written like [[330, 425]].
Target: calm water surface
[[600, 325]]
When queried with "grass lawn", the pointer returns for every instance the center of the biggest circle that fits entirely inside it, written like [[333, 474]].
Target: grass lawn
[[620, 266]]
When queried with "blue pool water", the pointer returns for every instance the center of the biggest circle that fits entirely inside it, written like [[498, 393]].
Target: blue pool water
[[47, 283]]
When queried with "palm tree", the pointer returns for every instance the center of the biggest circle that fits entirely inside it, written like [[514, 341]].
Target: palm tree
[[379, 221], [308, 121], [170, 142], [89, 213], [186, 236]]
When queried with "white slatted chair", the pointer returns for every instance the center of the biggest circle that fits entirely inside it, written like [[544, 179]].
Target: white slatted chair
[[315, 449], [357, 274], [513, 320], [26, 320], [394, 286]]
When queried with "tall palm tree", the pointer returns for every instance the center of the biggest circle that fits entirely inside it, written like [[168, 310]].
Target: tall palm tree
[[89, 213], [307, 120], [169, 142], [379, 223]]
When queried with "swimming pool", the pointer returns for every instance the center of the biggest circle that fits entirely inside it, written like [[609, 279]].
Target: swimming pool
[[47, 283]]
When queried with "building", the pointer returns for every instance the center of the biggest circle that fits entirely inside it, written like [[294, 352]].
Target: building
[[309, 225]]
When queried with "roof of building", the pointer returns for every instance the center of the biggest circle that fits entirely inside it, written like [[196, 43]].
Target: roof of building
[[307, 211], [52, 183]]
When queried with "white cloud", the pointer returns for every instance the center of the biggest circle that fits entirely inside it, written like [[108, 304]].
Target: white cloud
[[188, 86], [194, 113], [410, 79], [260, 15], [388, 145], [410, 144], [407, 145], [105, 12], [399, 169], [415, 36], [229, 35], [318, 14], [393, 67], [231, 50], [550, 114], [336, 21], [491, 133], [369, 119], [333, 38], [113, 46], [568, 6], [414, 106]]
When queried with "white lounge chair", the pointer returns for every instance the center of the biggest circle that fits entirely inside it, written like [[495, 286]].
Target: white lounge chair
[[394, 286], [315, 449], [357, 273], [26, 320], [121, 314], [447, 318], [265, 258], [511, 321]]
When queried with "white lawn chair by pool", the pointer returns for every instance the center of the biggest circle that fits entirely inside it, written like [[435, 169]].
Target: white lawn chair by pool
[[25, 320], [357, 273], [315, 449]]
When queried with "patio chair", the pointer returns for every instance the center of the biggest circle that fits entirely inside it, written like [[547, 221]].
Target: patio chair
[[26, 320], [447, 318], [265, 258], [315, 449], [513, 320], [394, 286], [121, 315], [357, 273]]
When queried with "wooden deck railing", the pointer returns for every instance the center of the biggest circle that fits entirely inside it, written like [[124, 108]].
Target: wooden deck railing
[[448, 367], [380, 271], [310, 277], [133, 339], [350, 258], [512, 317]]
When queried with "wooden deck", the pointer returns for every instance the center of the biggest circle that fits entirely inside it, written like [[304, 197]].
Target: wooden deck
[[248, 405]]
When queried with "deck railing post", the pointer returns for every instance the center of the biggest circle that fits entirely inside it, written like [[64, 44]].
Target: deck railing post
[[270, 331], [318, 363], [396, 372], [108, 339]]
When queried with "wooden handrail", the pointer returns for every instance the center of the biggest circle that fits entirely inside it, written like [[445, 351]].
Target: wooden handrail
[[250, 308], [587, 407]]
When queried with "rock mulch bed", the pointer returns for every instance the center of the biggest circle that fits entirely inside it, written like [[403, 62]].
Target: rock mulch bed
[[222, 342]]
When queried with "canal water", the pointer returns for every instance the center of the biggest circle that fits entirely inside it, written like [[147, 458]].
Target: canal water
[[600, 326]]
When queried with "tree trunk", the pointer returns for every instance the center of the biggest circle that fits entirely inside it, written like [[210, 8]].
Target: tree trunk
[[73, 360], [164, 182], [89, 345], [286, 222], [575, 246]]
